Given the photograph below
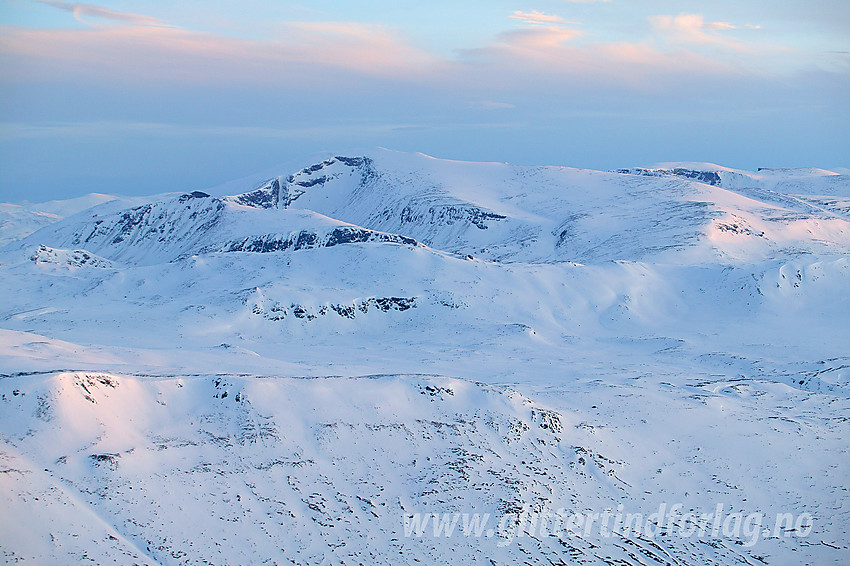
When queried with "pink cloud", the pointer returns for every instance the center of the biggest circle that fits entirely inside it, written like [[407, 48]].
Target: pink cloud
[[538, 39], [81, 10], [162, 53], [317, 55], [693, 29], [552, 55], [720, 25], [535, 17]]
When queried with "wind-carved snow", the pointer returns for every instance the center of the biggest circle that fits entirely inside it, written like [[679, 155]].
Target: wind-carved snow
[[307, 471], [673, 335]]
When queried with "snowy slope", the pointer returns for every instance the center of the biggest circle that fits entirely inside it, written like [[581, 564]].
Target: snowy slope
[[799, 180], [20, 220], [260, 365], [806, 190], [235, 470], [17, 221]]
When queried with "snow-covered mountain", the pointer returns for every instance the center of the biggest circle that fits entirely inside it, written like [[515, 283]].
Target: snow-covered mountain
[[493, 211], [637, 337], [19, 220]]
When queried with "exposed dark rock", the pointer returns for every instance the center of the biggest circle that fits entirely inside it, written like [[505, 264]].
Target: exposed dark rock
[[109, 461], [738, 228], [708, 177], [354, 161], [313, 182], [347, 311], [383, 304], [450, 214], [193, 194], [388, 303], [151, 225], [298, 183], [130, 220], [310, 240], [266, 196]]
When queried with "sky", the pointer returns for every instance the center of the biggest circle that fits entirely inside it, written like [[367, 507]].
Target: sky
[[144, 96]]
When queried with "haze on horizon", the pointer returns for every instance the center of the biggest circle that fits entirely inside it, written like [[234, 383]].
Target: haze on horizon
[[144, 96]]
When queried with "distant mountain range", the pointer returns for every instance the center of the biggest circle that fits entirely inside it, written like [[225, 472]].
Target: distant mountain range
[[496, 212]]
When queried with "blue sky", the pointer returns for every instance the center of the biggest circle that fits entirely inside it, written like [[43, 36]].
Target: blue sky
[[143, 96]]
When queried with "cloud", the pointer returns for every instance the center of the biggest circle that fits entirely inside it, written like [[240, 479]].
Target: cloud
[[80, 11], [535, 17], [302, 57], [549, 57], [537, 39], [693, 29], [720, 25], [372, 49], [555, 53], [328, 57]]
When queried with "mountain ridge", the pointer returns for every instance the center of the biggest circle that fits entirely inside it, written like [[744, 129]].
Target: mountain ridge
[[502, 213]]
